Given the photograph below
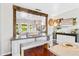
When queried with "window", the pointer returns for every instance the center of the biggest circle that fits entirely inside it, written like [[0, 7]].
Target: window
[[24, 27], [30, 28]]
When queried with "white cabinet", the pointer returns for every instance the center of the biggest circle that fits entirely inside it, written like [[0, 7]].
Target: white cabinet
[[59, 38], [16, 45], [78, 38], [65, 38]]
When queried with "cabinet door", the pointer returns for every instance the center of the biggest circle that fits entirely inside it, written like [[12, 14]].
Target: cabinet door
[[78, 38], [65, 38], [60, 38], [16, 45]]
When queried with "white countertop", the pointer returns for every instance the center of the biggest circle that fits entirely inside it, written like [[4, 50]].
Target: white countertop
[[64, 51]]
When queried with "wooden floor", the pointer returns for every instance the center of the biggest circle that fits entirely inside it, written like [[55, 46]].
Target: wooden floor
[[38, 51]]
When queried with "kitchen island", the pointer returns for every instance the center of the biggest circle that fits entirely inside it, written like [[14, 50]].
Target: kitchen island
[[60, 37]]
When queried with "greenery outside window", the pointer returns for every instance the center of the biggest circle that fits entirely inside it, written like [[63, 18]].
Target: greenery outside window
[[24, 27]]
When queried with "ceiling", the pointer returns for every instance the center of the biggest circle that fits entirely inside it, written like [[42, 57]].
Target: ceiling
[[51, 8]]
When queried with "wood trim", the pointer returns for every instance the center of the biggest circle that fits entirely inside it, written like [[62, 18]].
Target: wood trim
[[18, 8], [45, 46], [46, 25], [14, 22]]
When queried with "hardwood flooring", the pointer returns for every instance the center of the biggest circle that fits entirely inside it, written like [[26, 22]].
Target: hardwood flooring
[[38, 51]]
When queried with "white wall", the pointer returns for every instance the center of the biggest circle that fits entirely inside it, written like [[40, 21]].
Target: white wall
[[6, 28], [0, 30]]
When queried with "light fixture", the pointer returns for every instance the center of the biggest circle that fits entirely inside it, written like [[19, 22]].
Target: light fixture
[[50, 22], [53, 22]]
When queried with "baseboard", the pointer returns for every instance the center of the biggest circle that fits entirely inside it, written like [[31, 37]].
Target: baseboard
[[6, 54]]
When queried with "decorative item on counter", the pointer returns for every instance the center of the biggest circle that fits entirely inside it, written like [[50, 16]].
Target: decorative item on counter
[[74, 30], [40, 27], [67, 45]]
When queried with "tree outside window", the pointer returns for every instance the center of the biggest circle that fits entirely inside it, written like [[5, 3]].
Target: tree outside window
[[24, 27]]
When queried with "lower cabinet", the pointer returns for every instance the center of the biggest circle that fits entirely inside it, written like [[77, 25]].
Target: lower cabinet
[[65, 38], [16, 45]]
